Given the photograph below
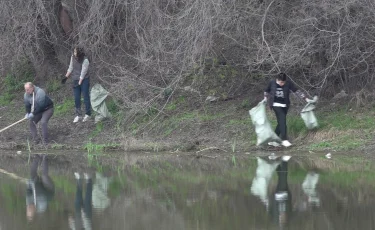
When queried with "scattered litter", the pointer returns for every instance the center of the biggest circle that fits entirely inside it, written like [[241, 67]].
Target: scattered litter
[[328, 155], [19, 152]]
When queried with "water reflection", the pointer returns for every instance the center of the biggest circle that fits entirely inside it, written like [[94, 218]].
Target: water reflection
[[309, 188], [279, 204], [285, 193], [83, 209], [40, 188]]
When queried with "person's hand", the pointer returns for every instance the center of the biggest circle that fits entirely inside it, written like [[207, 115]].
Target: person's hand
[[264, 100], [26, 116], [308, 100], [80, 81], [63, 80], [29, 116]]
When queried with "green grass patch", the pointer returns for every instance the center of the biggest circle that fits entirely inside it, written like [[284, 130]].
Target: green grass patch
[[320, 146], [344, 120], [6, 98], [296, 126], [53, 85], [64, 108]]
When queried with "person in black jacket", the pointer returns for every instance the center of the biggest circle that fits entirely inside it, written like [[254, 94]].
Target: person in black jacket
[[277, 96], [39, 107]]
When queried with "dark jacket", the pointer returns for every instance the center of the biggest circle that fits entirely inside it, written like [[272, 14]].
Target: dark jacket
[[42, 101], [270, 92]]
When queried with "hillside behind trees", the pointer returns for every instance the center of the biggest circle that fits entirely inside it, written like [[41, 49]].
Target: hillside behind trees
[[146, 53]]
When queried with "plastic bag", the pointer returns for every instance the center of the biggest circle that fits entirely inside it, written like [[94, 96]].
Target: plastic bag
[[308, 115], [262, 125]]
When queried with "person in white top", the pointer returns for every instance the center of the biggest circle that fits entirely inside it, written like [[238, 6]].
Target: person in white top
[[78, 71]]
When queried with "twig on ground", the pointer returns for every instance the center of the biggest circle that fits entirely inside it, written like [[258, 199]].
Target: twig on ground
[[210, 148]]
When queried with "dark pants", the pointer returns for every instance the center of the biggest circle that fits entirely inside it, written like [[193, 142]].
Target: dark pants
[[281, 128], [281, 209], [81, 203], [43, 118], [46, 179], [282, 174], [83, 89]]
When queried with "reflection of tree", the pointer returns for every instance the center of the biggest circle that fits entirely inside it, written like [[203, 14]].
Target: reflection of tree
[[12, 207]]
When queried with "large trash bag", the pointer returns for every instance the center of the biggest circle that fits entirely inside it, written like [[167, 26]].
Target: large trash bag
[[263, 175], [262, 125], [97, 97], [100, 198], [308, 115]]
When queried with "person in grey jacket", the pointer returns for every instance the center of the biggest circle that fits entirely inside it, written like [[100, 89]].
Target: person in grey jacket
[[40, 188], [78, 71], [277, 96], [39, 107]]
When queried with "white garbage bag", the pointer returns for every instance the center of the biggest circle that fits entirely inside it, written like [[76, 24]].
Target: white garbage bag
[[100, 199], [263, 175], [97, 98], [262, 125], [309, 188], [308, 115]]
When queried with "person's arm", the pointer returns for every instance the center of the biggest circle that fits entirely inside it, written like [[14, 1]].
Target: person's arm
[[70, 69], [295, 90], [85, 68], [267, 91]]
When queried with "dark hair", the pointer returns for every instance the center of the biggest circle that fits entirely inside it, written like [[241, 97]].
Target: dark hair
[[80, 54], [281, 77]]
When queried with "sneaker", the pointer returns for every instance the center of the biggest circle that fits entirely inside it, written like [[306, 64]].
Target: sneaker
[[272, 156], [279, 196], [76, 119], [274, 143], [286, 158], [87, 176], [86, 118], [286, 143]]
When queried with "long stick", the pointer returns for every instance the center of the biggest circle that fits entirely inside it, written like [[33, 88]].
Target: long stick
[[14, 176], [13, 124]]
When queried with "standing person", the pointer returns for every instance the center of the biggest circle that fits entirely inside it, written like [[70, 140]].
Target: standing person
[[39, 107], [78, 68], [277, 96], [40, 188]]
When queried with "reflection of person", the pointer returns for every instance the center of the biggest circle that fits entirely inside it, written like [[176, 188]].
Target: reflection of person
[[40, 189], [263, 175], [281, 200], [277, 95], [39, 107], [78, 68], [83, 208]]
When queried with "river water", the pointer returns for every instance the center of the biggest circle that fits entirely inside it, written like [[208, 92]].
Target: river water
[[185, 191]]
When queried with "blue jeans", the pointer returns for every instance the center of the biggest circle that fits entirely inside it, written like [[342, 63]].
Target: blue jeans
[[84, 89], [83, 204]]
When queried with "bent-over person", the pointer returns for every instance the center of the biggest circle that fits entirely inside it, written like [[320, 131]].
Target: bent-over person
[[39, 107]]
